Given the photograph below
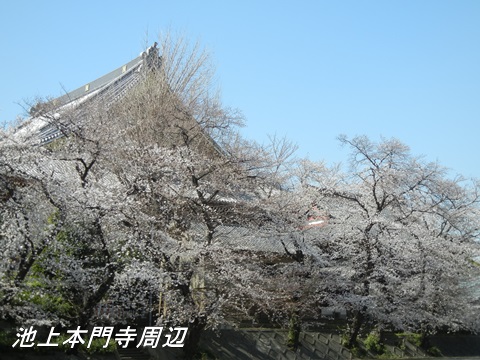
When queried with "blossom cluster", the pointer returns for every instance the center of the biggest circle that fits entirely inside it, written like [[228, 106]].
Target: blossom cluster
[[150, 337]]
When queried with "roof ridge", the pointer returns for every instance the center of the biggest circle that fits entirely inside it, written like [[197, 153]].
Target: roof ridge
[[148, 56]]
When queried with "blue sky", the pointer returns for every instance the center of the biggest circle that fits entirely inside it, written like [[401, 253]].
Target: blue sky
[[309, 70]]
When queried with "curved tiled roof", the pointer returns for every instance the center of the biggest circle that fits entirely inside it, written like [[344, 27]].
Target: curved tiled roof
[[108, 89]]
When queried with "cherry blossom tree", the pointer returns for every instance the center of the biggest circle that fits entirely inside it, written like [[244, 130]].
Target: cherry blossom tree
[[402, 234], [138, 203], [127, 205]]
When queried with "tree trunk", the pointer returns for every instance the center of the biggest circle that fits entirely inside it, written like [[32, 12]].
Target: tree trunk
[[355, 330], [89, 305], [192, 340]]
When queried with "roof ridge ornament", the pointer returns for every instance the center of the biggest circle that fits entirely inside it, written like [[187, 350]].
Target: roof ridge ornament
[[151, 56]]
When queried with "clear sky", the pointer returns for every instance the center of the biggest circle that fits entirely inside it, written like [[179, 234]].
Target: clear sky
[[309, 70]]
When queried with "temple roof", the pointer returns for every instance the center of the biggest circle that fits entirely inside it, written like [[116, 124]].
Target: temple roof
[[108, 88]]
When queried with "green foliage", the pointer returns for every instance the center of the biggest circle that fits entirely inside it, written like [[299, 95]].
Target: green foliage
[[48, 286], [205, 355], [53, 218], [344, 339], [474, 262], [7, 339], [293, 333], [358, 352], [42, 288], [373, 343], [96, 347], [48, 302], [434, 351], [387, 355], [413, 338]]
